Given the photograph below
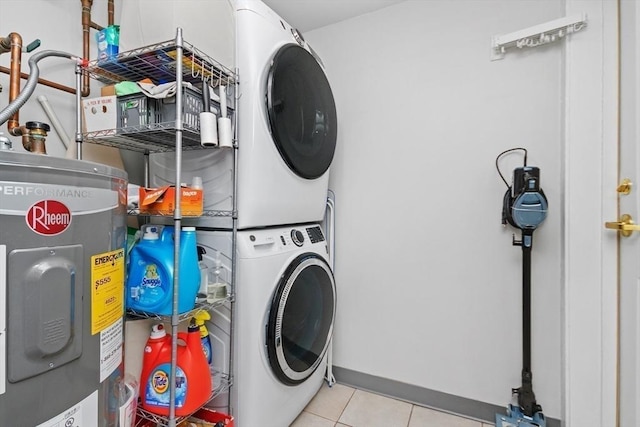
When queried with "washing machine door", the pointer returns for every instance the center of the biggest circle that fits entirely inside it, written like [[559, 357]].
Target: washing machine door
[[302, 112], [301, 319]]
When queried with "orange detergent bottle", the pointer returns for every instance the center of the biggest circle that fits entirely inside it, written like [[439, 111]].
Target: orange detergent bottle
[[193, 378]]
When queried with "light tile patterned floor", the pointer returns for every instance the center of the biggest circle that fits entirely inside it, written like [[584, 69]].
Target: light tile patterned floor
[[342, 406]]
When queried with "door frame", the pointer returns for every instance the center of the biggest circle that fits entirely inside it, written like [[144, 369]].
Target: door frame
[[629, 269], [589, 252]]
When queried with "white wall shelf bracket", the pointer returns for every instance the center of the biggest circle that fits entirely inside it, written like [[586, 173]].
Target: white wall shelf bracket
[[537, 35]]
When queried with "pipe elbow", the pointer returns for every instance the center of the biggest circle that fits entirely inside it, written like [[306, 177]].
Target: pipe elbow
[[7, 43], [14, 129]]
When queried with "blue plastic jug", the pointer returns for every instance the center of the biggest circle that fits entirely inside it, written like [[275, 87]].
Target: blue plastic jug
[[150, 271]]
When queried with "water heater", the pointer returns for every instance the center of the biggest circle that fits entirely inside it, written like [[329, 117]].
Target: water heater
[[62, 264]]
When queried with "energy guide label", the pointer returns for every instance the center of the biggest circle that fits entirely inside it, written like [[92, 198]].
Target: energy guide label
[[107, 289]]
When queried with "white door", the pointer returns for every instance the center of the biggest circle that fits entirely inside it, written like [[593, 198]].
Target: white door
[[629, 249]]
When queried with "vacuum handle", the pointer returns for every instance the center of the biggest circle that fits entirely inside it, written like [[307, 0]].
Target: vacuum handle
[[526, 308]]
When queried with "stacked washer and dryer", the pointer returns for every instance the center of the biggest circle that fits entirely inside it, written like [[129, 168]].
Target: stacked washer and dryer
[[285, 296]]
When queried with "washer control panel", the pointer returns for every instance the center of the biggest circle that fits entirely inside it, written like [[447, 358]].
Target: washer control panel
[[302, 236], [315, 234]]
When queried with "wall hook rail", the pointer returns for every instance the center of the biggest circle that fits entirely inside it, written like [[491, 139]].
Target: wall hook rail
[[537, 35]]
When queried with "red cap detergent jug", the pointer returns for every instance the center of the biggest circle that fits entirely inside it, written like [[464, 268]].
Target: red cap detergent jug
[[150, 271], [193, 378]]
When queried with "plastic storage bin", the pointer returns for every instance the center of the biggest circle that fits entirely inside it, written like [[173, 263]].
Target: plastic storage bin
[[138, 110], [191, 108]]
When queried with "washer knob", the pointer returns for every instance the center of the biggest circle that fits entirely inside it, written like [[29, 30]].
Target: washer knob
[[297, 237]]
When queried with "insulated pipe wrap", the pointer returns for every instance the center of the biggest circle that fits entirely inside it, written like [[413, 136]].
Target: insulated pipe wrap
[[32, 81]]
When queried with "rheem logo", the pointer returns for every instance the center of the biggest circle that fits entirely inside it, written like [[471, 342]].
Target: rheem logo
[[48, 217]]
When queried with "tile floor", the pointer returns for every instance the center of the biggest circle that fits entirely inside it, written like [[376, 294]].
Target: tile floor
[[342, 406]]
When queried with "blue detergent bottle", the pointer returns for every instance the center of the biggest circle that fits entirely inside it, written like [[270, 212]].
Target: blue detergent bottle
[[150, 271]]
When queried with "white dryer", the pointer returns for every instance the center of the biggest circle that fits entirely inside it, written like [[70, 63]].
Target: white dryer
[[283, 321], [287, 123], [287, 129]]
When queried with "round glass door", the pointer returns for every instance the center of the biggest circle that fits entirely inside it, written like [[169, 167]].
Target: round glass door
[[302, 112], [301, 319]]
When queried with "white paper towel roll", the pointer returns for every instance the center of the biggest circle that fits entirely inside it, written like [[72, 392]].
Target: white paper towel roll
[[225, 138], [208, 130]]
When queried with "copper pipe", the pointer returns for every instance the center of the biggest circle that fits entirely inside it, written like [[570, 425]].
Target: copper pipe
[[110, 12], [34, 140], [96, 26], [86, 25], [13, 43], [44, 82], [22, 130]]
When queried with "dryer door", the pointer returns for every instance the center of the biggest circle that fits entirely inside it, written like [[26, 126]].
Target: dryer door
[[301, 319], [302, 112]]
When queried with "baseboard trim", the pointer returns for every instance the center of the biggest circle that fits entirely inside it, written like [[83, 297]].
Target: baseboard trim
[[470, 408]]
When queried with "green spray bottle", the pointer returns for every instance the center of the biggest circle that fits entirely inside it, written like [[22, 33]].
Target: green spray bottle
[[199, 318]]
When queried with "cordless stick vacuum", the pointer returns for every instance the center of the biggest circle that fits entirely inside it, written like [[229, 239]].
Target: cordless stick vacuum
[[524, 207]]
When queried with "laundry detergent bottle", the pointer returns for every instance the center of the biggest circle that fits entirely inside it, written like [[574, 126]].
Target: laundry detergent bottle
[[150, 271], [158, 347], [193, 378]]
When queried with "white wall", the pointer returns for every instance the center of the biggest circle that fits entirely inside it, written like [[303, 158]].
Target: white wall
[[59, 27], [429, 284]]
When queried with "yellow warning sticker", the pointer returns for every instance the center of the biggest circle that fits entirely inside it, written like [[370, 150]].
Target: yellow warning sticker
[[107, 289]]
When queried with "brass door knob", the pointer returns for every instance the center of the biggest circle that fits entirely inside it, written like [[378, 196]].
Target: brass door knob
[[625, 187], [626, 226]]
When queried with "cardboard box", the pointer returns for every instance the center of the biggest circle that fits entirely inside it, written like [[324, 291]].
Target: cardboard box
[[108, 90], [161, 201], [100, 114]]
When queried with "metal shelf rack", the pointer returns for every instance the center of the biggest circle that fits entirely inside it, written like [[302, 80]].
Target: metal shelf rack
[[184, 316], [169, 61], [206, 213], [159, 62]]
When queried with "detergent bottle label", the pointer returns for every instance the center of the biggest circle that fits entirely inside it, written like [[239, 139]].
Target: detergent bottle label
[[150, 289], [206, 347], [157, 389]]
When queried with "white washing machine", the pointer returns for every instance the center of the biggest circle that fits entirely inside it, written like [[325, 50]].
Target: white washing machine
[[283, 320]]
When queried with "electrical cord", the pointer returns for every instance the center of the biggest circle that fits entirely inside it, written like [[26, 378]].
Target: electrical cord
[[506, 152]]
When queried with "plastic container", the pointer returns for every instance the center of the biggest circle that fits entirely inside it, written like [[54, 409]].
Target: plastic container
[[137, 109], [200, 318], [151, 269], [216, 287], [191, 108], [193, 378], [204, 275]]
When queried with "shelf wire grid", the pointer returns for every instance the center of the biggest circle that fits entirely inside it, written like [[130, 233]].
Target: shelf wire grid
[[206, 306], [158, 63]]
